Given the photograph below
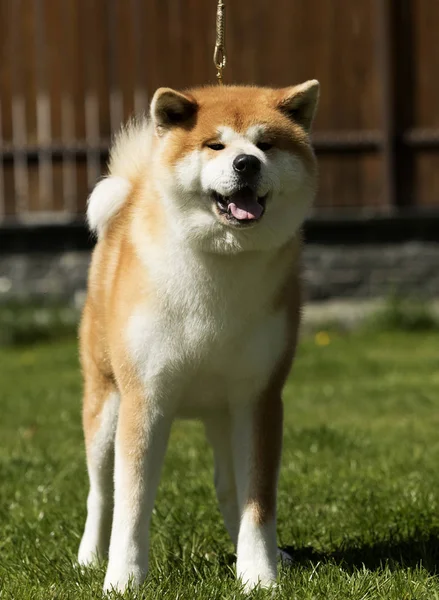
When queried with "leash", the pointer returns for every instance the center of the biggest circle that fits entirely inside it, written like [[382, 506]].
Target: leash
[[219, 54]]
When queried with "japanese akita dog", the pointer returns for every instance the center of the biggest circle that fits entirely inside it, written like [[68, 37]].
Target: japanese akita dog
[[193, 309]]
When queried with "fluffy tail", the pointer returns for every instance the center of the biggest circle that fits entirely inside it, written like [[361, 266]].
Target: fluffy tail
[[130, 153]]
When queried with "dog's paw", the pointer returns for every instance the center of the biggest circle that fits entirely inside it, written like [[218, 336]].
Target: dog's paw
[[89, 554], [256, 575], [122, 578], [267, 584]]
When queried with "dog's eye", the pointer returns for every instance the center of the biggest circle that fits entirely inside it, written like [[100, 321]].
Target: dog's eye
[[216, 146], [264, 146]]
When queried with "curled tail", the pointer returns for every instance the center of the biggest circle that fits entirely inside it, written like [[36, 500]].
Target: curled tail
[[129, 154]]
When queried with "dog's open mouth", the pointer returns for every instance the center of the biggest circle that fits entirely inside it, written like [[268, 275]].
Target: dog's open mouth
[[244, 206]]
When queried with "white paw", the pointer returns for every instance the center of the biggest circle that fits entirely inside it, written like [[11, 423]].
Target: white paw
[[265, 584], [119, 579], [88, 554], [251, 576]]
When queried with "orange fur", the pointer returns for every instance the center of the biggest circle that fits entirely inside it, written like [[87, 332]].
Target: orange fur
[[124, 282]]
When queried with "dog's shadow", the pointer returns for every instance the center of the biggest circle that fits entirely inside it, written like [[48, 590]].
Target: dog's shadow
[[412, 552]]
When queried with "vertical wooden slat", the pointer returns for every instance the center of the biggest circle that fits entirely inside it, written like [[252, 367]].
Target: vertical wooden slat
[[138, 24], [424, 20], [91, 99], [406, 96], [176, 33], [2, 178], [6, 168], [69, 166], [71, 70], [43, 105], [56, 39], [92, 136], [116, 99], [386, 66], [80, 24], [125, 58], [152, 52], [21, 178], [68, 112]]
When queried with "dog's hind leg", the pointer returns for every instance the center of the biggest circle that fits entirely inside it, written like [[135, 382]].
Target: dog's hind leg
[[219, 435], [100, 410]]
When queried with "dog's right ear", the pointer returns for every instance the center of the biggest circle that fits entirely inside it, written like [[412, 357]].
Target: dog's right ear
[[172, 109], [299, 103]]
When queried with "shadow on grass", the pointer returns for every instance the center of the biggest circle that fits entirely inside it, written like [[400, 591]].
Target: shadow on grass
[[412, 552]]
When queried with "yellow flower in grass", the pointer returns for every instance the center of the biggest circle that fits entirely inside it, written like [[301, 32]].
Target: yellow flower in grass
[[322, 338]]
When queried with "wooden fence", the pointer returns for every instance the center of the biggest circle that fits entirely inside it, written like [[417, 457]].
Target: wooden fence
[[72, 70]]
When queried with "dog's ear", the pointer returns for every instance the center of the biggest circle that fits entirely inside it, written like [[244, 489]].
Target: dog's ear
[[171, 109], [299, 103]]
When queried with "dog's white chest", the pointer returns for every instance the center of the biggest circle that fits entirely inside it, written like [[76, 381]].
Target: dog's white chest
[[203, 350]]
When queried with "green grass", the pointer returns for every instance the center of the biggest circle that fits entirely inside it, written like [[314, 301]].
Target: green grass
[[404, 314], [359, 486], [24, 323]]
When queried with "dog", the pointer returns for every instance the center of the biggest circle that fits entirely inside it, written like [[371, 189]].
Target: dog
[[192, 311]]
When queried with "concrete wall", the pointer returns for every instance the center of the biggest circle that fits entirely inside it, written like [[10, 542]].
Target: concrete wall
[[372, 270], [331, 271]]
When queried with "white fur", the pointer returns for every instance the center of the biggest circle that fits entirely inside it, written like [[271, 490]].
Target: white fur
[[131, 150], [202, 355], [105, 202], [130, 153], [187, 194], [133, 504], [256, 552], [224, 331], [186, 189], [256, 548], [95, 540], [218, 426], [207, 345], [228, 136]]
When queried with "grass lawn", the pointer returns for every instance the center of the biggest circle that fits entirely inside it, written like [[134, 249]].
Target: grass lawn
[[359, 486]]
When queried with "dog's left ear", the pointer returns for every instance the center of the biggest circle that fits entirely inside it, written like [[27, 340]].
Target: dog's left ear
[[171, 109], [300, 102]]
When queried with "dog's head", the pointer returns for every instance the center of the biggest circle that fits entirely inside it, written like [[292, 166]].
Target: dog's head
[[235, 164]]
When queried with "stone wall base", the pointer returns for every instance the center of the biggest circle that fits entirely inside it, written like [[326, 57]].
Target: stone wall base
[[330, 271]]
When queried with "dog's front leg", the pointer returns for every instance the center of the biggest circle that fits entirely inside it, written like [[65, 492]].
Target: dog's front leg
[[257, 441], [141, 440]]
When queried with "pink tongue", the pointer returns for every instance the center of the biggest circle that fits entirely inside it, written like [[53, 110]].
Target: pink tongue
[[245, 207]]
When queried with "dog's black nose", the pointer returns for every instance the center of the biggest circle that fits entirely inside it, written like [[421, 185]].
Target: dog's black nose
[[247, 164]]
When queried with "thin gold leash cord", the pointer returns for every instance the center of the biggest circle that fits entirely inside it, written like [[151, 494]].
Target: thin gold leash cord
[[219, 55]]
